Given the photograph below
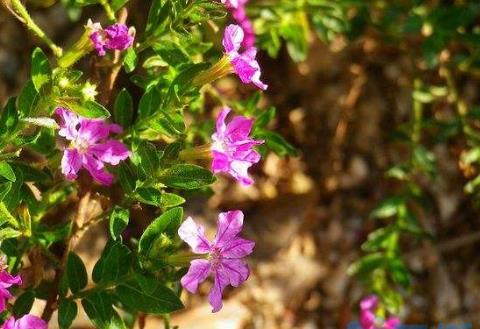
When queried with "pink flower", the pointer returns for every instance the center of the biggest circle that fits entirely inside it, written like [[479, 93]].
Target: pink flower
[[25, 322], [114, 37], [232, 148], [244, 64], [369, 320], [234, 3], [89, 147], [223, 255], [6, 281]]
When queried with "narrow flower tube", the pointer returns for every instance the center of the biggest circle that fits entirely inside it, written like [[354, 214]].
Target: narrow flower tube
[[222, 258]]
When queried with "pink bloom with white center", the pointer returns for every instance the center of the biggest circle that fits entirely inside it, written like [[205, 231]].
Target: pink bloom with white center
[[223, 255], [369, 320], [232, 147], [90, 147], [6, 281], [25, 322], [114, 37], [244, 64]]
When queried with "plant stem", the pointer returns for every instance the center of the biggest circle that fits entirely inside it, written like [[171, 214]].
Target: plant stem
[[108, 10], [22, 13]]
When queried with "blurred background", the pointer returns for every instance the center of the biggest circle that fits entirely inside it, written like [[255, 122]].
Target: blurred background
[[343, 107]]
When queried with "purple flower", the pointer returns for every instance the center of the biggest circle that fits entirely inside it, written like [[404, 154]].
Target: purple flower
[[223, 256], [232, 148], [234, 3], [6, 281], [244, 64], [25, 322], [89, 147], [369, 320], [114, 37]]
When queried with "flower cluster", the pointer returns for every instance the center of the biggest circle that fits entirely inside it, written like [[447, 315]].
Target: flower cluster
[[113, 37], [239, 14], [369, 319], [223, 256], [244, 63], [89, 146], [232, 147], [27, 321]]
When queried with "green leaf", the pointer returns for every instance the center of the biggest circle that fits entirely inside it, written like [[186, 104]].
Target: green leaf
[[399, 272], [149, 195], [171, 53], [8, 233], [149, 103], [114, 263], [167, 223], [147, 158], [76, 273], [277, 143], [118, 221], [28, 100], [367, 264], [130, 60], [127, 177], [90, 109], [98, 307], [152, 297], [41, 122], [41, 71], [6, 171], [123, 109], [8, 119], [169, 200], [4, 189], [388, 207], [187, 176], [6, 216], [67, 312], [24, 303]]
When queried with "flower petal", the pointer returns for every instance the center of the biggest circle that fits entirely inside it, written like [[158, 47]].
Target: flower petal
[[232, 38], [68, 123], [71, 163], [369, 303], [10, 323], [220, 123], [236, 270], [96, 169], [194, 235], [197, 273], [111, 152], [239, 128], [220, 281], [220, 162], [392, 323], [29, 321], [230, 224], [92, 130], [238, 248], [118, 37], [367, 319], [239, 170], [7, 279], [244, 68]]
